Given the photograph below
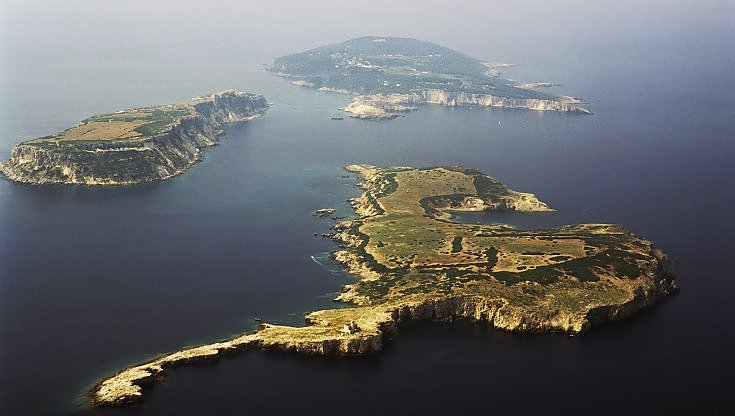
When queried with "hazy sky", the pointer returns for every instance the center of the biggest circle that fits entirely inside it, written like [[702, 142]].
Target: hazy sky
[[117, 54], [265, 29]]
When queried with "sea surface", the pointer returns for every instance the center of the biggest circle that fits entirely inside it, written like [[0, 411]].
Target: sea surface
[[96, 279]]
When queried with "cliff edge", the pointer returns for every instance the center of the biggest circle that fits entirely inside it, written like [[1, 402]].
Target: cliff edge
[[131, 146]]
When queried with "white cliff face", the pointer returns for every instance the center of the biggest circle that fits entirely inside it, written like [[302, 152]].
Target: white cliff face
[[368, 111], [385, 107], [522, 202], [125, 162], [454, 99], [515, 201], [382, 107]]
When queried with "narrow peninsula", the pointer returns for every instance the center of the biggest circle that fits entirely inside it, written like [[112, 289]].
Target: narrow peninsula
[[413, 262], [131, 146], [390, 76]]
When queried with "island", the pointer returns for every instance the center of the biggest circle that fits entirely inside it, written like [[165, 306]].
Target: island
[[131, 146], [413, 261], [390, 76]]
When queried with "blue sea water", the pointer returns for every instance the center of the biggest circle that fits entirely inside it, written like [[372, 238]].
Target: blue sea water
[[92, 280]]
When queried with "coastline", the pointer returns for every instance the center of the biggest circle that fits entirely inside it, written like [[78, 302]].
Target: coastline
[[366, 324], [390, 106], [128, 161], [390, 76]]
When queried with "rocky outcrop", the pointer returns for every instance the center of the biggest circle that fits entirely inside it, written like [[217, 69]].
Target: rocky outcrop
[[515, 201], [364, 330], [387, 107], [381, 107], [660, 283], [325, 335], [132, 161], [364, 110], [454, 99]]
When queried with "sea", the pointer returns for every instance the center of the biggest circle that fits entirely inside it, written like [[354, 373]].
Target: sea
[[95, 279]]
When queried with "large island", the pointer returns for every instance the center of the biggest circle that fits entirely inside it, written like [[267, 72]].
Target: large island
[[390, 76], [413, 262], [131, 146]]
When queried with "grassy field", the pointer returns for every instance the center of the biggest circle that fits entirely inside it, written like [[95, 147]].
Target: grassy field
[[418, 249], [128, 125]]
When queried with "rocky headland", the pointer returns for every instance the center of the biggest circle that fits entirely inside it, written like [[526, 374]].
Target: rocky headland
[[413, 263], [131, 146]]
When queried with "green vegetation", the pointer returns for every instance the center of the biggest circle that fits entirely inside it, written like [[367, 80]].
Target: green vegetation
[[431, 203], [540, 275], [159, 120], [488, 188], [124, 125], [373, 65], [416, 250], [457, 244], [492, 257], [386, 186]]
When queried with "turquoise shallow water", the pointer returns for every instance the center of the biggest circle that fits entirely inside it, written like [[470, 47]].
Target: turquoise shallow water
[[92, 280]]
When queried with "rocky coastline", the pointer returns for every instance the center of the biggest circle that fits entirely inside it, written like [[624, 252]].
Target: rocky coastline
[[388, 107], [128, 161], [369, 321]]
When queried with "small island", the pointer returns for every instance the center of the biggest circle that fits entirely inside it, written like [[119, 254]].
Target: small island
[[131, 146], [413, 262], [391, 76]]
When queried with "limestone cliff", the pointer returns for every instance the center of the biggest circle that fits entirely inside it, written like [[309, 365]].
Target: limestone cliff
[[453, 99], [390, 106], [125, 161], [382, 107]]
